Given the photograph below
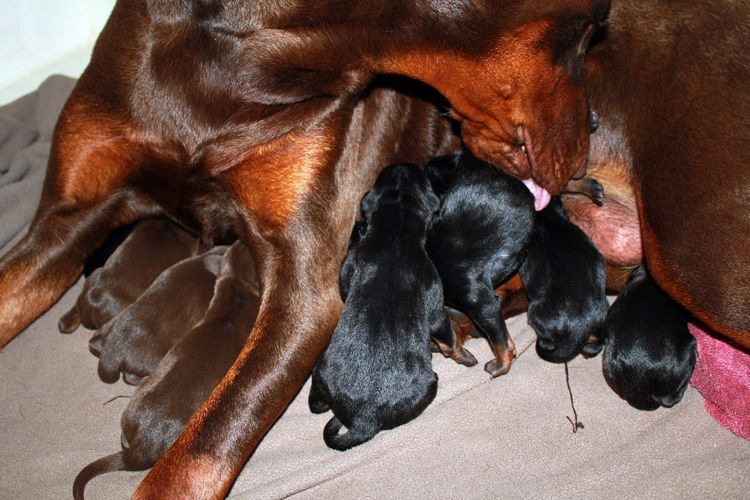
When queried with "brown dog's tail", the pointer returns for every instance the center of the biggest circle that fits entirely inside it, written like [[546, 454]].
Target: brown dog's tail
[[110, 463]]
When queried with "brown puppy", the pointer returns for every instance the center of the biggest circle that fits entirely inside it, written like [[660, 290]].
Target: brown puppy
[[164, 402], [267, 119], [135, 340], [149, 249]]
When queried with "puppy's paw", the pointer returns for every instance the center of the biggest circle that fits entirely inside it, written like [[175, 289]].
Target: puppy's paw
[[496, 367], [70, 321], [592, 347], [464, 357], [132, 378], [318, 406]]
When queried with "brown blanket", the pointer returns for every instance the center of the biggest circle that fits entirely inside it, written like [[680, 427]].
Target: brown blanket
[[503, 438]]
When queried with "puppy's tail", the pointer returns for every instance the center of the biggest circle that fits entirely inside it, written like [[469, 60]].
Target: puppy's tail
[[110, 463], [359, 433]]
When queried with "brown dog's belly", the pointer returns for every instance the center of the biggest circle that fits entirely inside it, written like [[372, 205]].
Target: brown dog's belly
[[614, 226]]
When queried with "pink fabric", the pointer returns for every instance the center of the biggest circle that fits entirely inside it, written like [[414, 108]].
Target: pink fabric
[[722, 376]]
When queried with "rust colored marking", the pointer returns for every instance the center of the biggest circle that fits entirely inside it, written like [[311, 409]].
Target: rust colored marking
[[273, 179], [98, 155]]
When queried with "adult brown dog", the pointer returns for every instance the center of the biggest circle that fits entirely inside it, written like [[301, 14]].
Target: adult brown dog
[[670, 82], [263, 119]]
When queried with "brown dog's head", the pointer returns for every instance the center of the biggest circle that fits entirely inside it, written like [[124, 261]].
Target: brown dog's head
[[513, 73]]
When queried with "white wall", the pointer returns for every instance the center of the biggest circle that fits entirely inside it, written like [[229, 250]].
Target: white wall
[[42, 37]]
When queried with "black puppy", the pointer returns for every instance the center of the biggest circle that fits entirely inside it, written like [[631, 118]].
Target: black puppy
[[477, 240], [565, 279], [377, 372], [650, 354]]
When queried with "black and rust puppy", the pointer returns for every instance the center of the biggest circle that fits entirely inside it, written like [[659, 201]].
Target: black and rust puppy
[[151, 247], [565, 279], [135, 340], [163, 403], [377, 371], [478, 240], [650, 354]]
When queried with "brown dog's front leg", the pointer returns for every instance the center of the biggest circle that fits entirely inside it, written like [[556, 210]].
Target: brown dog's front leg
[[84, 198], [297, 316]]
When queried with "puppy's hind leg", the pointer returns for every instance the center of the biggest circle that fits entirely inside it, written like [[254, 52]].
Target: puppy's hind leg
[[449, 345], [482, 305], [316, 401]]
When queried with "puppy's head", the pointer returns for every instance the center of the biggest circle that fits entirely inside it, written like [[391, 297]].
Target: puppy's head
[[441, 172], [404, 184], [650, 353], [650, 375], [562, 337]]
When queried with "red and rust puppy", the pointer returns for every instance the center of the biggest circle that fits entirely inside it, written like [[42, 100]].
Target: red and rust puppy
[[265, 119], [149, 249], [135, 340], [477, 240], [163, 403]]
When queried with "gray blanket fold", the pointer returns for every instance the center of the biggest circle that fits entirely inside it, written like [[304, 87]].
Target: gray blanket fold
[[480, 438]]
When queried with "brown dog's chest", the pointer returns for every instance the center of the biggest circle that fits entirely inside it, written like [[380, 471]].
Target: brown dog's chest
[[613, 227]]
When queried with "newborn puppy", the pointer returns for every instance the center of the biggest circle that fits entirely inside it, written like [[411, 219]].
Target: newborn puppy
[[377, 371], [650, 354], [565, 279], [136, 339], [152, 246], [477, 240], [165, 401]]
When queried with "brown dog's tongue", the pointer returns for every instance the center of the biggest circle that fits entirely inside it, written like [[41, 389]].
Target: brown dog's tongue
[[541, 195]]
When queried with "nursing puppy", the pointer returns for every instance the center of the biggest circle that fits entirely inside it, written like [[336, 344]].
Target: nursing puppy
[[377, 372], [565, 279], [152, 246], [164, 402], [650, 354], [477, 240], [136, 339]]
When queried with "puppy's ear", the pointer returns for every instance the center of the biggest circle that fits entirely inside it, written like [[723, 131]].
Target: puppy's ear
[[212, 261]]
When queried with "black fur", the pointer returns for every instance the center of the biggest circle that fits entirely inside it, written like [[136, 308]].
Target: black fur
[[478, 240], [650, 354], [377, 371], [565, 279]]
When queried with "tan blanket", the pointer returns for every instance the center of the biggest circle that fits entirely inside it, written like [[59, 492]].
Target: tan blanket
[[480, 438]]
